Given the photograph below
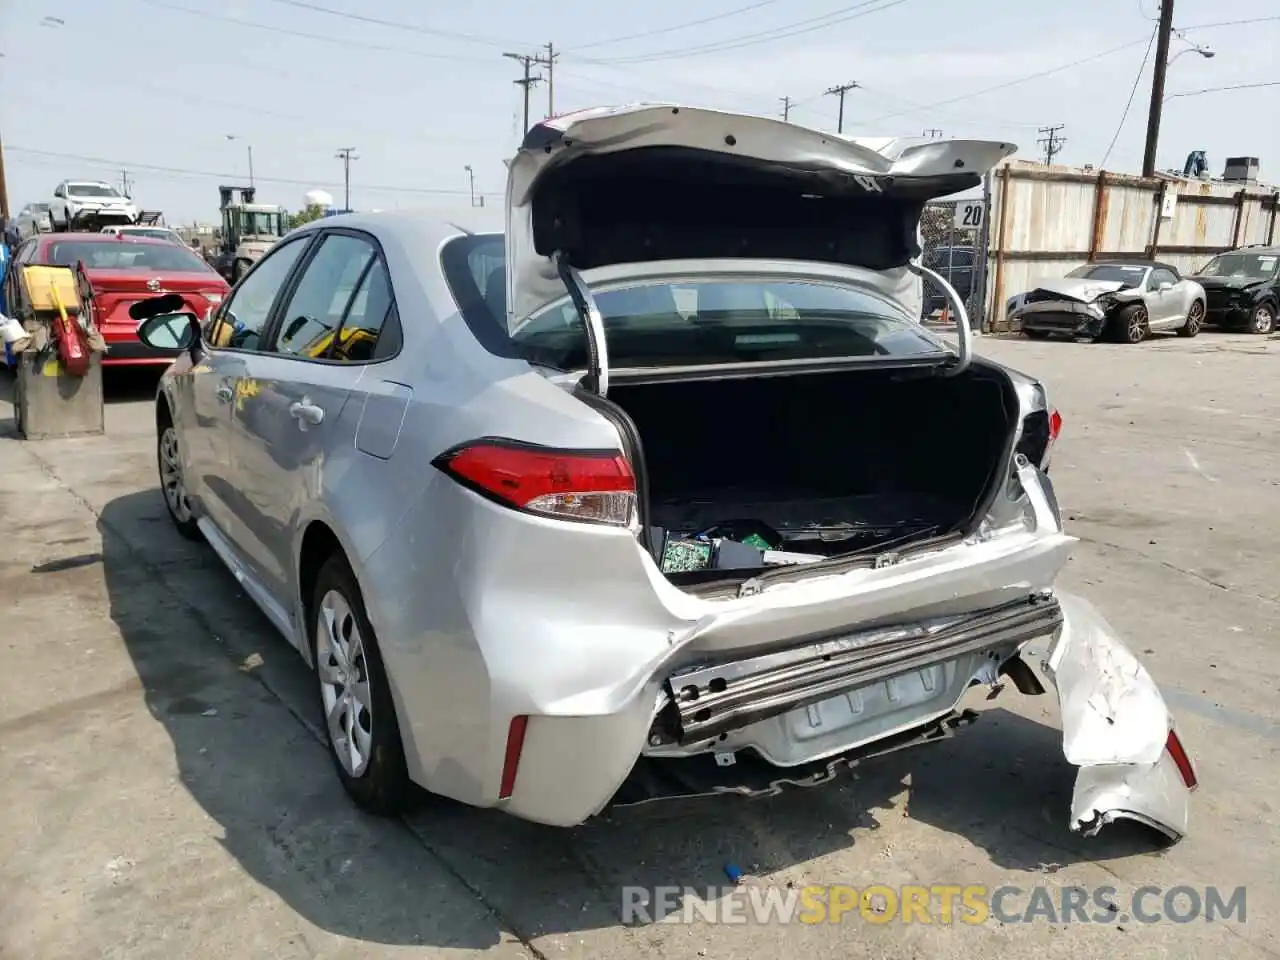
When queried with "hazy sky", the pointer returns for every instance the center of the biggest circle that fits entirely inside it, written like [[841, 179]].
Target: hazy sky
[[88, 87]]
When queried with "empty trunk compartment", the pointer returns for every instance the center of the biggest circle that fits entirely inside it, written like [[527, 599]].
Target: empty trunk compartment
[[820, 464]]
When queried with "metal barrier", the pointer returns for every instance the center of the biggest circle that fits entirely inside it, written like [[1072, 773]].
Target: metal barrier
[[956, 241]]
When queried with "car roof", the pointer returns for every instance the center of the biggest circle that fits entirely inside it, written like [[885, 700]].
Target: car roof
[[1261, 248], [419, 232]]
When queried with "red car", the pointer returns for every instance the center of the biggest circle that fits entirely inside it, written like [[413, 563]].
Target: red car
[[123, 270]]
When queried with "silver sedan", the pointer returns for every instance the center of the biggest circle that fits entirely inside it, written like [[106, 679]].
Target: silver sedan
[[663, 492]]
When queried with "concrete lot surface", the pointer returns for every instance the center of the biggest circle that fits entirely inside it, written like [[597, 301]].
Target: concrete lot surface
[[165, 792]]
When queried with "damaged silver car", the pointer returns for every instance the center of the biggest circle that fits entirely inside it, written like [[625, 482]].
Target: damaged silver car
[[662, 492], [1121, 302]]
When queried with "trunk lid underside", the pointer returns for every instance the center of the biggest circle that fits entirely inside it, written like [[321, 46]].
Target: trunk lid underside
[[652, 183]]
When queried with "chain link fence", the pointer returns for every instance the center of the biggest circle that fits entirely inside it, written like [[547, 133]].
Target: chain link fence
[[955, 246]]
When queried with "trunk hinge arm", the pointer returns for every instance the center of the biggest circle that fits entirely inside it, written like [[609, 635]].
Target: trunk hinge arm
[[597, 378], [964, 336]]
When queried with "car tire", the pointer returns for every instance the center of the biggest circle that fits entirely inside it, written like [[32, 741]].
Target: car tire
[[1131, 324], [1195, 320], [362, 730], [1262, 320], [173, 485]]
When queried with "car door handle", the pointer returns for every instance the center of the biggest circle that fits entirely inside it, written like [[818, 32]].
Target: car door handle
[[224, 393], [306, 413]]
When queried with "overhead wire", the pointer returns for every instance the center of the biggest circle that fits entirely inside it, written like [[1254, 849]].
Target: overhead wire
[[189, 171], [782, 32], [736, 11], [1017, 80], [1129, 103], [1231, 86]]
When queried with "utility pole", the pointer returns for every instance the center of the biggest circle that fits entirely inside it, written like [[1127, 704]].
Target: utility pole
[[1157, 87], [124, 182], [526, 61], [933, 133], [346, 155], [1051, 142], [549, 61], [249, 147], [786, 109], [839, 91]]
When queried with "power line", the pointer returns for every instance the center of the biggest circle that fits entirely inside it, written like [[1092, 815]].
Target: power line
[[339, 41], [1231, 86], [1052, 143], [842, 15], [839, 90], [1015, 82], [1129, 103], [679, 26], [396, 24], [213, 174]]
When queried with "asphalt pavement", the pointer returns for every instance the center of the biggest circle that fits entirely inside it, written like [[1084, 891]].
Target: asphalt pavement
[[166, 792]]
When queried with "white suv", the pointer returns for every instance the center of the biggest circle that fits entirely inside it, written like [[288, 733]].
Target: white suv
[[77, 201]]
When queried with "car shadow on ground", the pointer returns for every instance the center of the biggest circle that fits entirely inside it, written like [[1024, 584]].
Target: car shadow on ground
[[238, 705]]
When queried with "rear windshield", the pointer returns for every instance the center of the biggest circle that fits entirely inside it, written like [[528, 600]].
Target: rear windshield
[[1241, 266], [687, 321], [156, 234], [123, 255]]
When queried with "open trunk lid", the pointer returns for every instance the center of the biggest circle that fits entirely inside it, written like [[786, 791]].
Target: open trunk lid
[[600, 189]]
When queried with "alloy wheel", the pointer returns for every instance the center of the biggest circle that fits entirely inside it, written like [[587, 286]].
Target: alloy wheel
[[1136, 330], [1264, 319], [1195, 318], [171, 479], [344, 683]]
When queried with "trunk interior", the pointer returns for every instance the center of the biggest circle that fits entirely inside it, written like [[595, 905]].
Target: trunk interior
[[812, 466]]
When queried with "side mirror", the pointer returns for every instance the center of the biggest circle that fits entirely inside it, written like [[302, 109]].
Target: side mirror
[[170, 331], [1165, 285]]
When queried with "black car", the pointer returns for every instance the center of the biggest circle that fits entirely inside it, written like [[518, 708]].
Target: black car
[[1243, 289]]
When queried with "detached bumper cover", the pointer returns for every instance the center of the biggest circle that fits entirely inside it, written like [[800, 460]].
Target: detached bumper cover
[[1116, 729]]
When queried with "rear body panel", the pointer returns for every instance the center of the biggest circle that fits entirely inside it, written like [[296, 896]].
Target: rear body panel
[[115, 291]]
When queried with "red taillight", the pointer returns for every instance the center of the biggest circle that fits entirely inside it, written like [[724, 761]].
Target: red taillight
[[511, 760], [592, 485], [1055, 425], [1186, 769]]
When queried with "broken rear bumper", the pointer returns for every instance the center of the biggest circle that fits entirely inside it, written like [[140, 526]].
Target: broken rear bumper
[[1116, 729]]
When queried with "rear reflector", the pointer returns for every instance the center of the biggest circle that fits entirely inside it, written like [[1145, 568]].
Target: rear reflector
[[590, 485], [1186, 769], [511, 762]]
